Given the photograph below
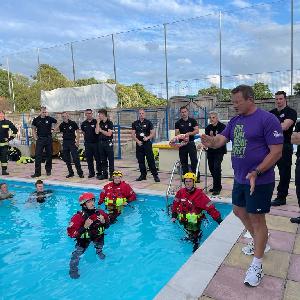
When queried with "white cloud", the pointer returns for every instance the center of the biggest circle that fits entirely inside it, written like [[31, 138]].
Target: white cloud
[[184, 61], [99, 75], [240, 3], [214, 79]]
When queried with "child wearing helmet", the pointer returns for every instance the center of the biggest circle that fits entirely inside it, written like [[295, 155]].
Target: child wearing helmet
[[115, 195], [188, 207], [87, 225]]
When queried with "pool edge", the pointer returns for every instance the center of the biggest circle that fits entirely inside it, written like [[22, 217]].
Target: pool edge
[[193, 277]]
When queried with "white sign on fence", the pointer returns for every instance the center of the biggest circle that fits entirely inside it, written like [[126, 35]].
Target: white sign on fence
[[102, 95]]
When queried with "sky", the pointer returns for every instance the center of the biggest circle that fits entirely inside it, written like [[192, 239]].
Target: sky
[[255, 39]]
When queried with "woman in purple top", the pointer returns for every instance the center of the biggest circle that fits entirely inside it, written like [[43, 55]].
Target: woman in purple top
[[257, 140]]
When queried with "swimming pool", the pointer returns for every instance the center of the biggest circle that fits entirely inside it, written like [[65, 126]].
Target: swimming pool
[[143, 249]]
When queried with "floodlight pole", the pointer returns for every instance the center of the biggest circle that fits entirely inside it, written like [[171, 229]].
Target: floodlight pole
[[220, 56], [292, 46], [38, 61], [73, 64], [114, 57], [167, 81]]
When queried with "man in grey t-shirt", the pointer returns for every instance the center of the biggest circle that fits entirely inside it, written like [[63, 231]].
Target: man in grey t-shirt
[[257, 140]]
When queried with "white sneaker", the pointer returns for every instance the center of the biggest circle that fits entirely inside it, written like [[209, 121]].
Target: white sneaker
[[249, 249], [254, 275]]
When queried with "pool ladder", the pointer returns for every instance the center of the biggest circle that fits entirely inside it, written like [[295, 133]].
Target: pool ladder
[[171, 191]]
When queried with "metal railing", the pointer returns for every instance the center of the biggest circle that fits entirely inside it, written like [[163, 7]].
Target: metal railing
[[177, 167]]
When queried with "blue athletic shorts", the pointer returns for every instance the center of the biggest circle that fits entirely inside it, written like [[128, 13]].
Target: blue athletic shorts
[[258, 203]]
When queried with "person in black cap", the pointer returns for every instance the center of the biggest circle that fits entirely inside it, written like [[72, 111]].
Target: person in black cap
[[71, 138], [142, 133], [287, 117], [88, 127], [42, 134], [104, 129]]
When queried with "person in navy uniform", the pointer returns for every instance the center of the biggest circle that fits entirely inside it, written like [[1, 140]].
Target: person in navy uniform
[[104, 129], [142, 132], [5, 127], [42, 134], [189, 127], [215, 156], [287, 118], [88, 127], [71, 139], [295, 139]]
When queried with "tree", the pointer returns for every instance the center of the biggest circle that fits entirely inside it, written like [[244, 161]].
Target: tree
[[215, 91], [4, 90], [137, 96], [296, 88], [86, 81], [262, 91]]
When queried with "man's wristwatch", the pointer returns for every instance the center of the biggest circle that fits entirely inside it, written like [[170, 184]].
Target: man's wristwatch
[[258, 172]]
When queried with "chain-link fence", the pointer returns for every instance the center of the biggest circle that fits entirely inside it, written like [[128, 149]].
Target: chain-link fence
[[255, 44]]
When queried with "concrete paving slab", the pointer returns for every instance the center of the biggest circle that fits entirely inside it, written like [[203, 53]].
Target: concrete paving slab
[[284, 213], [280, 223], [278, 240], [292, 290], [282, 241], [297, 245], [228, 284], [294, 269], [276, 263]]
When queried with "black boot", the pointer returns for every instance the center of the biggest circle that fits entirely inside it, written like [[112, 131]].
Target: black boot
[[295, 220], [35, 175], [156, 178], [278, 201], [141, 177], [4, 171], [70, 175]]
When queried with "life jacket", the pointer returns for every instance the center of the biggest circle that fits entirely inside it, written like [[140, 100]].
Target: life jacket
[[114, 196], [187, 213], [96, 229], [25, 160]]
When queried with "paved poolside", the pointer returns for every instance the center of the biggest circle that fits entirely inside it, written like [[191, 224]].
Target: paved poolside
[[281, 264]]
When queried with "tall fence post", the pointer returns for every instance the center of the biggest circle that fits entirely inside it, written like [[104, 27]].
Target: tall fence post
[[220, 56], [73, 63], [114, 63], [292, 46], [39, 64], [114, 56]]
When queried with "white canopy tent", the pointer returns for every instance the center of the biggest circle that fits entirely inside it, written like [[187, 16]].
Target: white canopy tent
[[80, 98]]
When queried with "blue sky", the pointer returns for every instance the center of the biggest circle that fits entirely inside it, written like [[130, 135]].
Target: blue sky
[[255, 40]]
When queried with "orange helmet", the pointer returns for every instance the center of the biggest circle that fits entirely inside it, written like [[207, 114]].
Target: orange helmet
[[85, 197]]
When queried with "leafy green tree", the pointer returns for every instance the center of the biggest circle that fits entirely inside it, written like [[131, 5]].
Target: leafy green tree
[[296, 88], [4, 91], [86, 81], [215, 91], [137, 96], [262, 91]]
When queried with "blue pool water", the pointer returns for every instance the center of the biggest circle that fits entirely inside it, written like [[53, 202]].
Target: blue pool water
[[143, 249]]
